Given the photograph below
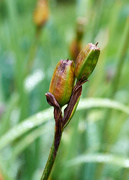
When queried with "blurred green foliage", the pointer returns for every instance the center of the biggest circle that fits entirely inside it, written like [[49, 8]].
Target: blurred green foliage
[[95, 145]]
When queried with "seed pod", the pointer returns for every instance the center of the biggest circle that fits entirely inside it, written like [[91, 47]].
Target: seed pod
[[86, 61], [62, 81], [41, 13]]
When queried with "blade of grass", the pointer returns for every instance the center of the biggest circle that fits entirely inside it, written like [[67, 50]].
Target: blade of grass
[[45, 115], [6, 117], [3, 170], [14, 41], [115, 84], [99, 158], [28, 139]]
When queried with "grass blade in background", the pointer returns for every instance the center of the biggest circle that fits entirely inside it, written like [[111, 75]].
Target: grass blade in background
[[42, 117]]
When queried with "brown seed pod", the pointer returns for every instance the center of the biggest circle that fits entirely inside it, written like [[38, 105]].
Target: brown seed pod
[[62, 81]]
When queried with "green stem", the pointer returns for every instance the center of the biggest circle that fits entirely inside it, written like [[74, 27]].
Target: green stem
[[116, 80], [50, 161], [121, 59], [115, 85], [61, 122], [5, 120], [24, 99], [125, 174], [33, 51], [25, 102]]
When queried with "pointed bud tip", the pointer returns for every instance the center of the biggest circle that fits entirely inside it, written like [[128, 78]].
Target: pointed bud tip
[[46, 94], [96, 43]]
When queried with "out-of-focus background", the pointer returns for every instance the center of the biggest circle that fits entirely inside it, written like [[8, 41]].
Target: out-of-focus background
[[34, 36]]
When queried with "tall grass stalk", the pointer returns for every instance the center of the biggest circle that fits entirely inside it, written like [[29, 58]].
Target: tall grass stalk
[[114, 87]]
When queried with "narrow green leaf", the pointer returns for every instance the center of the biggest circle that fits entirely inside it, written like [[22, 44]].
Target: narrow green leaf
[[47, 114], [99, 158]]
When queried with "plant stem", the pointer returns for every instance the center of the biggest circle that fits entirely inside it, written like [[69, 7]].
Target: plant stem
[[125, 174], [61, 122], [25, 101], [50, 161], [115, 84], [33, 50], [121, 59], [116, 80]]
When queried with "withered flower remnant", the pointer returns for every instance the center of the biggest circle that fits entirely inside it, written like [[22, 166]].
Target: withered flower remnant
[[62, 81], [41, 13], [76, 44], [86, 61]]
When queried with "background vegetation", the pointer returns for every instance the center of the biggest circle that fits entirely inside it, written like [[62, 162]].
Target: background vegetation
[[95, 145]]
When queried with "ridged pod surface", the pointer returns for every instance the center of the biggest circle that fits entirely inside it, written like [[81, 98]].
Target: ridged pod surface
[[62, 81], [86, 61]]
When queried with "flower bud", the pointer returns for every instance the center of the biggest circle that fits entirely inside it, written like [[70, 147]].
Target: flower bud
[[62, 81], [86, 61], [41, 13]]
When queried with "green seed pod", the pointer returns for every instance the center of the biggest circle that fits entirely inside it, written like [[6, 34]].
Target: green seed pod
[[62, 81], [86, 61]]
